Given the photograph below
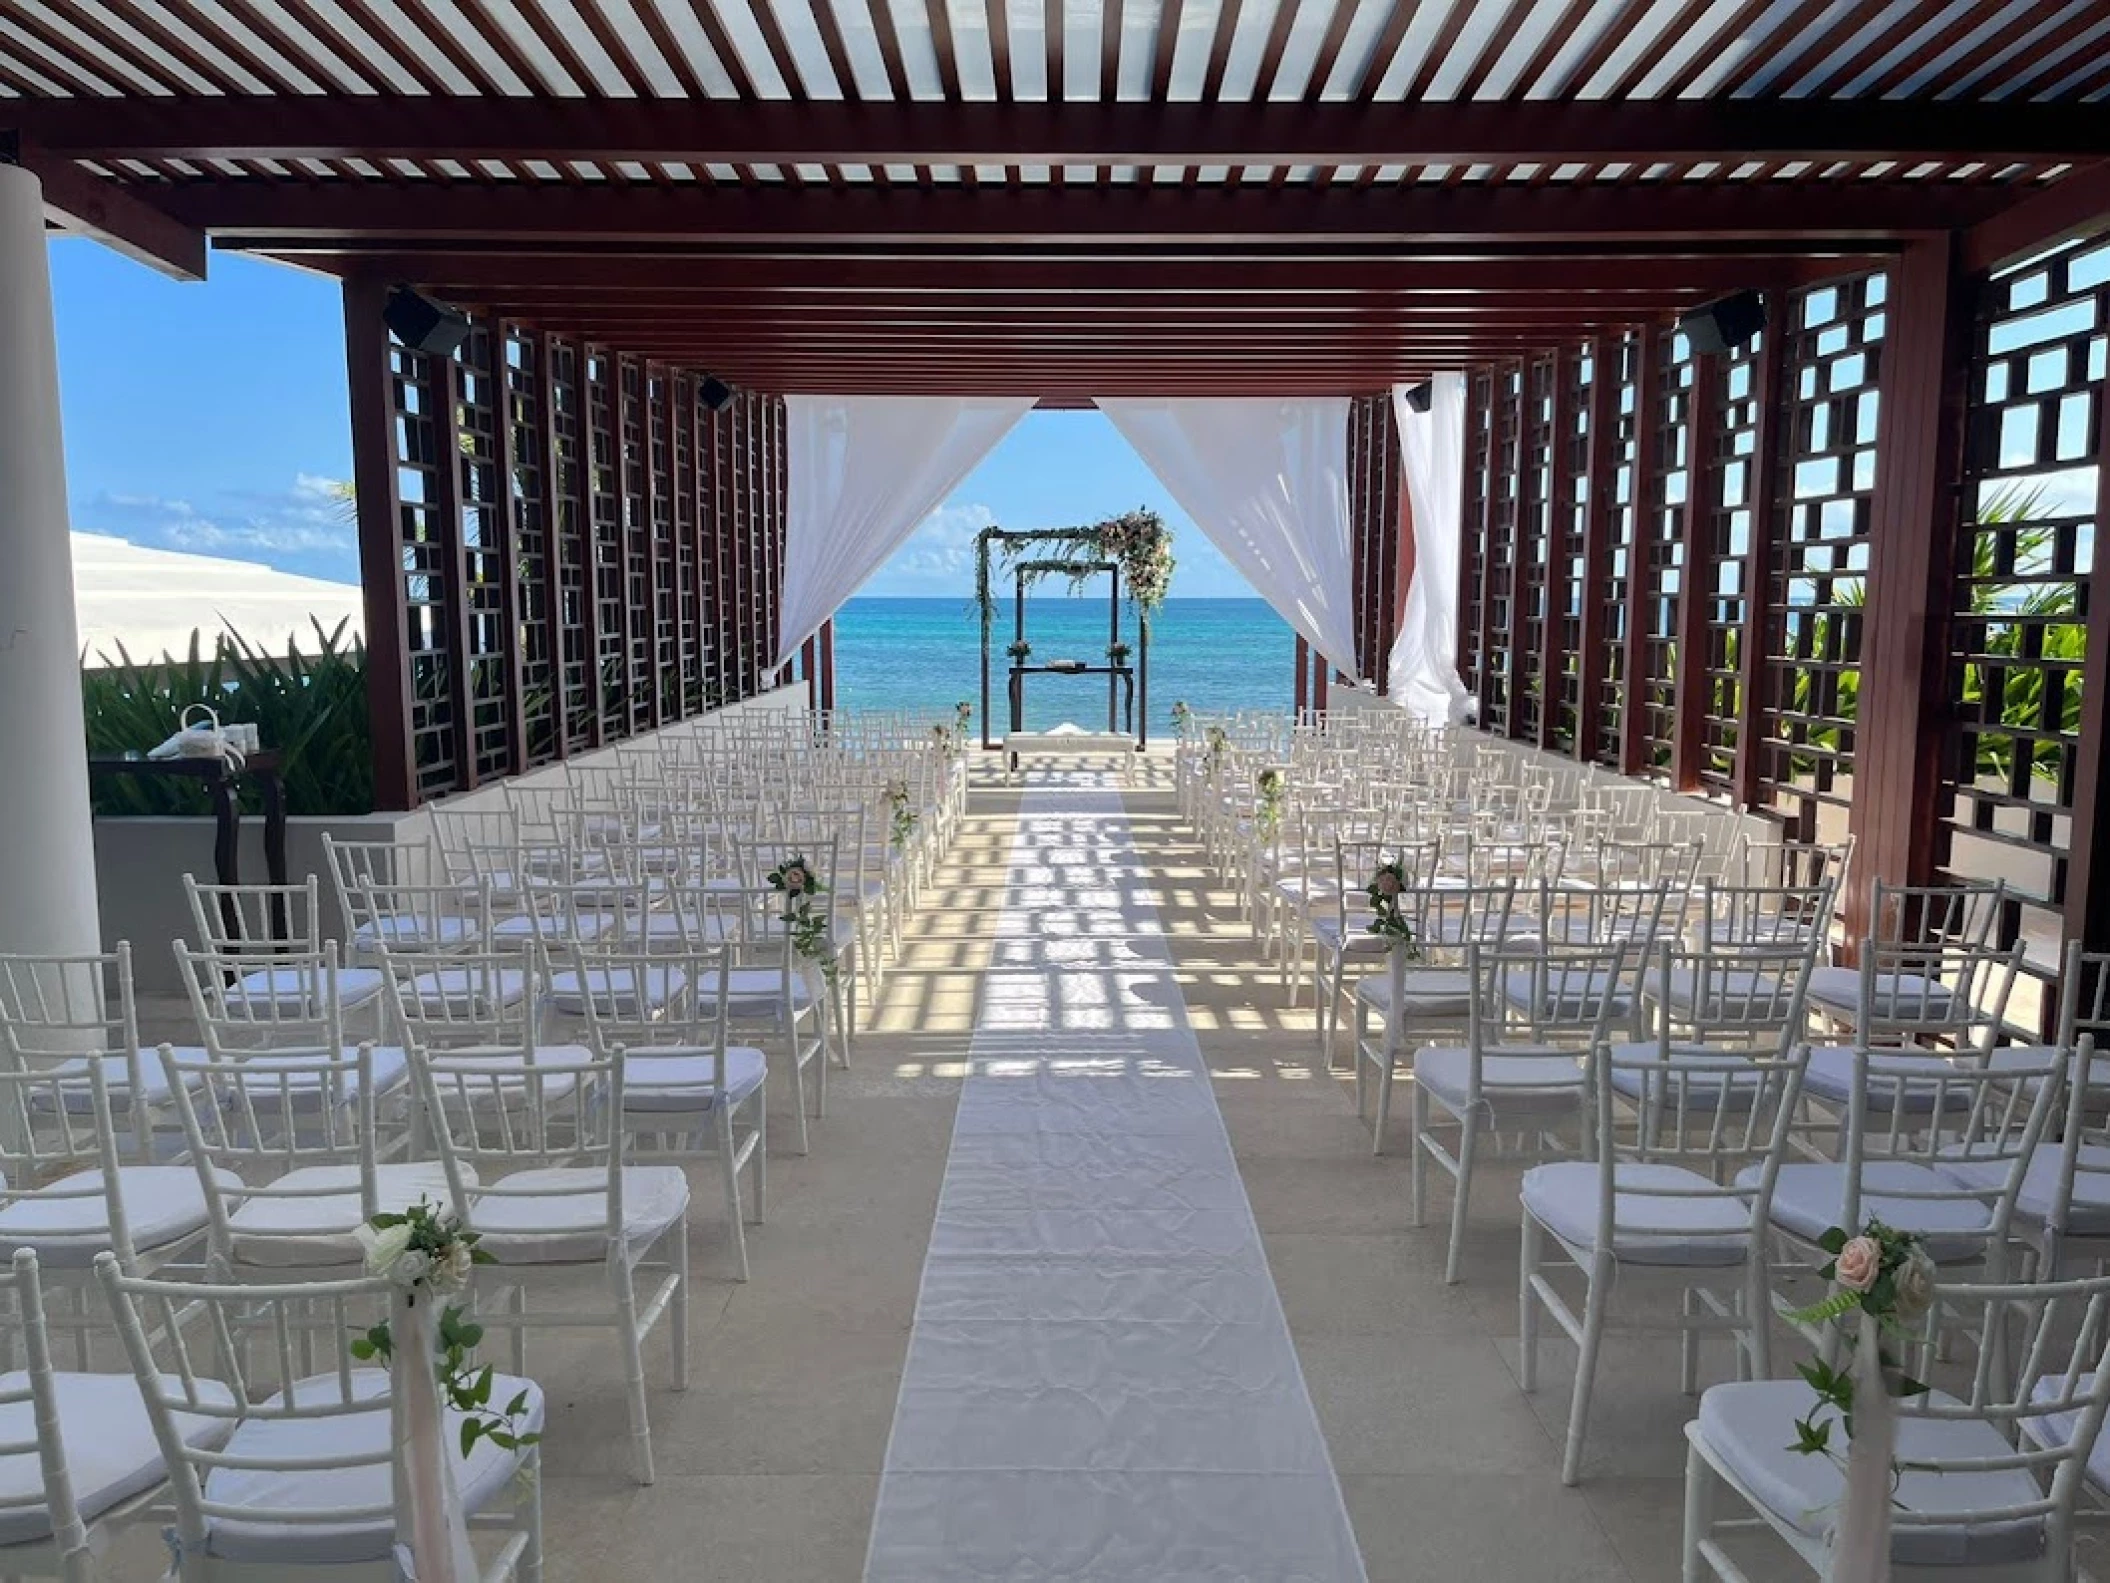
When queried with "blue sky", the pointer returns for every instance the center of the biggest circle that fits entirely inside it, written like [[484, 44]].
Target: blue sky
[[212, 417]]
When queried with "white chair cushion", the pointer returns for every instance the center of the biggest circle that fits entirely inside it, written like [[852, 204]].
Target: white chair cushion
[[286, 989], [388, 1064], [117, 1080], [316, 1232], [1830, 1077], [1359, 941], [1424, 992], [481, 1090], [464, 991], [1897, 996], [1567, 996], [1749, 1426], [111, 1452], [482, 1479], [1808, 1197], [525, 926], [68, 1222], [1307, 887], [654, 1083], [406, 932], [2088, 1212], [615, 990], [1702, 1092], [1657, 1227], [756, 991], [1513, 1081], [1739, 992], [2057, 1429], [559, 1214]]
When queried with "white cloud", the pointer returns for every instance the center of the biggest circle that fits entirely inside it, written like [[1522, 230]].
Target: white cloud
[[298, 529]]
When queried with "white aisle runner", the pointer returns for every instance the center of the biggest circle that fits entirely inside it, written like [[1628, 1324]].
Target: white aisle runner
[[1100, 1383]]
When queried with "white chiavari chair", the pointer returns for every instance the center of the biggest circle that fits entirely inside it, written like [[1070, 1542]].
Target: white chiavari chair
[[535, 1155], [295, 1474], [1659, 1212]]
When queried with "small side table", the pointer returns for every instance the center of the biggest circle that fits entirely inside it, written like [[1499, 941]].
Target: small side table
[[219, 776]]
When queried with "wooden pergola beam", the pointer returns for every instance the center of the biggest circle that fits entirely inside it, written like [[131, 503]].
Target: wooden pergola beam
[[1819, 217], [120, 217], [748, 132], [1579, 273]]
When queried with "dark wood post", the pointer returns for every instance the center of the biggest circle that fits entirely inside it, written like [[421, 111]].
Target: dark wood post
[[1489, 473], [1513, 629], [1912, 546], [1763, 492], [1648, 442], [1690, 691], [1303, 655], [367, 366], [828, 663], [1597, 547]]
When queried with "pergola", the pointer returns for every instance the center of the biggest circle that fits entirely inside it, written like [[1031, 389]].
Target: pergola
[[1761, 574]]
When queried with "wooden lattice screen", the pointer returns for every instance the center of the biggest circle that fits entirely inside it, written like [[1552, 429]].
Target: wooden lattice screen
[[2030, 543], [573, 548]]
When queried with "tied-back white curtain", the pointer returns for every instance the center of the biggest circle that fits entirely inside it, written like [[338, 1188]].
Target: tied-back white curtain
[[1422, 669], [1267, 481], [864, 471]]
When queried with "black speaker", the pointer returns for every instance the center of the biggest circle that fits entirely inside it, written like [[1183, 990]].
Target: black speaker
[[424, 325], [1420, 396], [1729, 322], [715, 394]]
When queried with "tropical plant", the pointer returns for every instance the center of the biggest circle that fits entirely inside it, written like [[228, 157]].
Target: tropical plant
[[2015, 620], [310, 707]]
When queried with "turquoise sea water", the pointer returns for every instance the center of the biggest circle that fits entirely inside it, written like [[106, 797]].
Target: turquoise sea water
[[924, 654]]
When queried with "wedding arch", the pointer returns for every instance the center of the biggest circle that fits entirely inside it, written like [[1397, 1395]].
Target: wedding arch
[[1135, 549]]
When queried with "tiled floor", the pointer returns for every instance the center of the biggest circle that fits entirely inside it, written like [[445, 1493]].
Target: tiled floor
[[769, 1464]]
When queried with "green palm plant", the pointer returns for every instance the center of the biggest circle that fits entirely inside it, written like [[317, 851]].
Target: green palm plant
[[310, 707]]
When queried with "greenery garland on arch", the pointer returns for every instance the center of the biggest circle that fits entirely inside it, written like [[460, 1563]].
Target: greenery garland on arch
[[1137, 541]]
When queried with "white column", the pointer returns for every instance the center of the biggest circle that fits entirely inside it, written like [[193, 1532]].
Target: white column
[[47, 845]]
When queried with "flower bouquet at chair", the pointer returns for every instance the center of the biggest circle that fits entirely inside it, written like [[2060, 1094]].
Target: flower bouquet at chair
[[901, 818], [1270, 793], [1883, 1284], [428, 1257], [1388, 917], [811, 939]]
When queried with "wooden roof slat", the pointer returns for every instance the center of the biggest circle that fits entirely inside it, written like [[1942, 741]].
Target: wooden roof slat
[[614, 45], [329, 57], [140, 66]]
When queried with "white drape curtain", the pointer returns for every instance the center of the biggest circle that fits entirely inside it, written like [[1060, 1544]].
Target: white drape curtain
[[864, 471], [1267, 481], [1422, 670]]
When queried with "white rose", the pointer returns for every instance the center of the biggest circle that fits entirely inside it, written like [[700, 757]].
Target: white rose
[[411, 1268], [383, 1248], [1914, 1283]]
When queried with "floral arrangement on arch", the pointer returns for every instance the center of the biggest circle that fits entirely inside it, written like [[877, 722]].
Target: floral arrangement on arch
[[1270, 787], [1141, 544], [428, 1254], [1117, 653], [795, 880], [1019, 652], [1388, 917]]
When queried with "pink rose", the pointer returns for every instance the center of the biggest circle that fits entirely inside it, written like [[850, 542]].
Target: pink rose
[[1860, 1262], [1387, 884], [794, 880]]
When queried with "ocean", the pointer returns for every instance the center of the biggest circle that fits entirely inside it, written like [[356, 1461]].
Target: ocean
[[1216, 655]]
